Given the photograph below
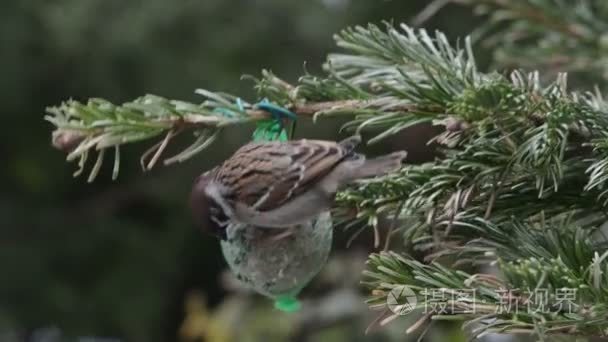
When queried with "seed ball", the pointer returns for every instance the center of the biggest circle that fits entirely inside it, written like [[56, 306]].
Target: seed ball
[[276, 262]]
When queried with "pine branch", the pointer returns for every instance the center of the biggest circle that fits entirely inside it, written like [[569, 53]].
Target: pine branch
[[550, 35], [98, 125], [522, 152], [540, 295], [519, 139], [513, 147]]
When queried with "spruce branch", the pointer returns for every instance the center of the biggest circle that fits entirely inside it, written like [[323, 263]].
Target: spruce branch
[[83, 128], [524, 152], [521, 181], [551, 35], [99, 124], [529, 297], [522, 138]]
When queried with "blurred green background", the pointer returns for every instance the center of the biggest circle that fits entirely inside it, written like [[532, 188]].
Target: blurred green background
[[122, 261]]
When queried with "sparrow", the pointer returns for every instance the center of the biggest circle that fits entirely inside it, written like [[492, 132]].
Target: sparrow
[[281, 184]]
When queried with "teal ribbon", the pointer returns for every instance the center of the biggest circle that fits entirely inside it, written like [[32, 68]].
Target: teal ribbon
[[272, 129]]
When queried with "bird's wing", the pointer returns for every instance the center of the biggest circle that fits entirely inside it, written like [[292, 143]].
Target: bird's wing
[[266, 175]]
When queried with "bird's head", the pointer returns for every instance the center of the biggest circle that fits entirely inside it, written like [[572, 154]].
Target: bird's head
[[206, 212]]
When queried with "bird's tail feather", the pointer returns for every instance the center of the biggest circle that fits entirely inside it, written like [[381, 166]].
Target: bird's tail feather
[[381, 165]]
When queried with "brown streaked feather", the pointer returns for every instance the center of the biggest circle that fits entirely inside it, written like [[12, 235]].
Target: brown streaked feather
[[289, 167]]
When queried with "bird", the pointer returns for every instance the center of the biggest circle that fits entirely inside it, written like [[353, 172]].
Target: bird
[[279, 184]]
